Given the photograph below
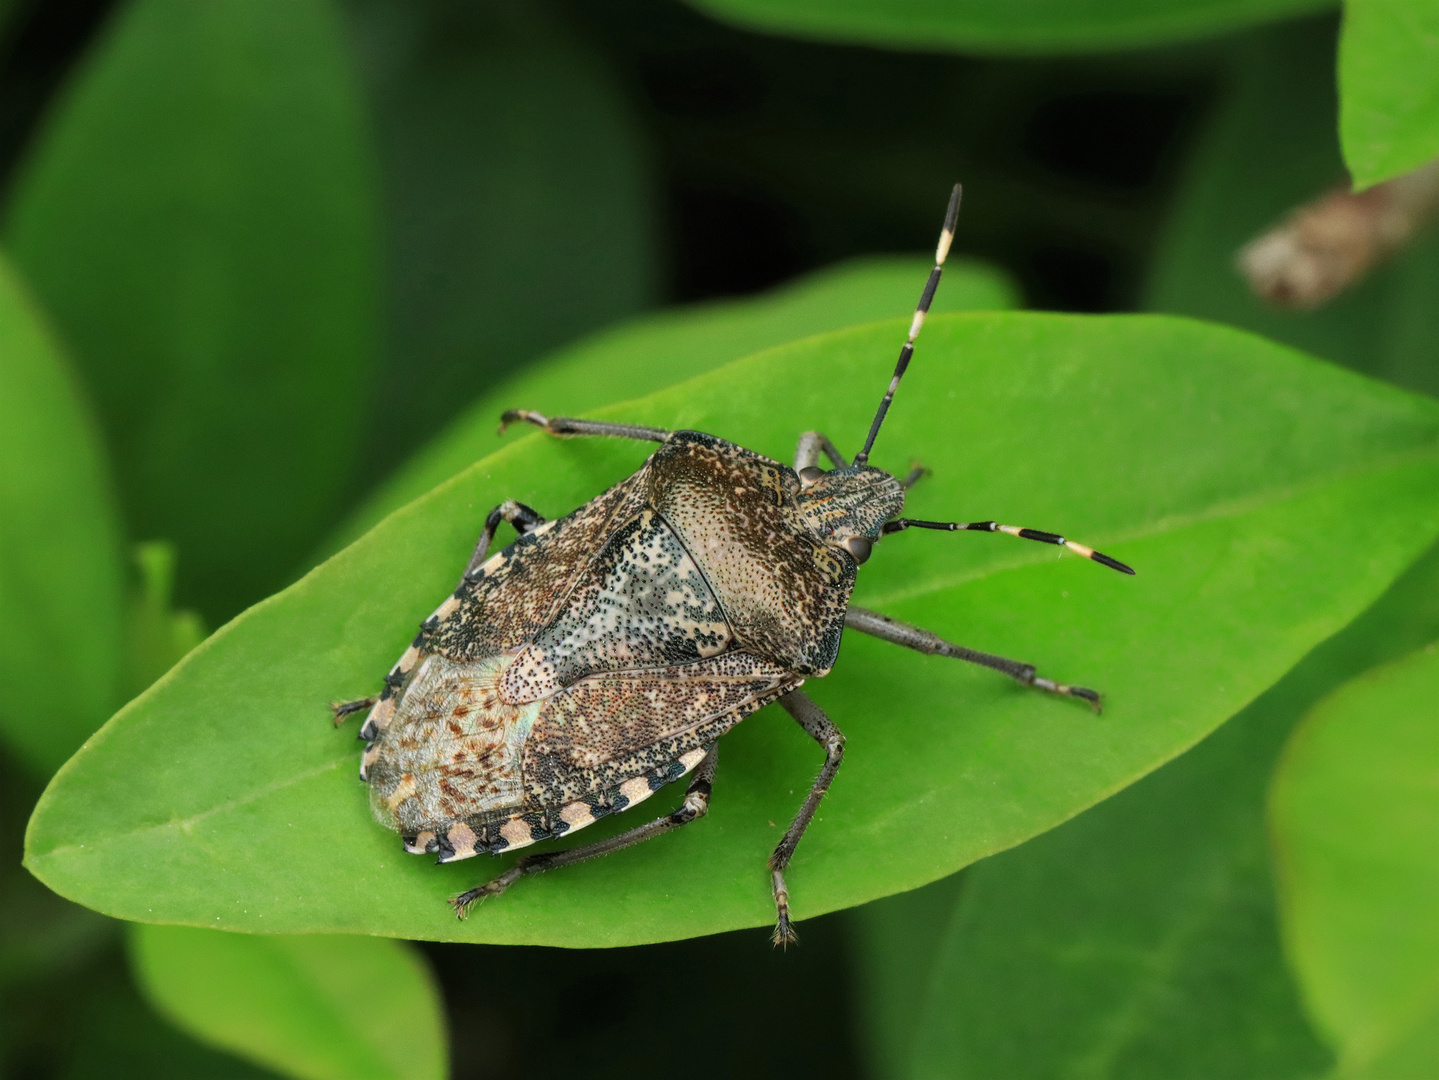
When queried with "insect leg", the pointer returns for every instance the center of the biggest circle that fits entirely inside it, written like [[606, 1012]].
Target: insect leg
[[900, 524], [811, 445], [522, 517], [695, 806], [912, 637], [822, 730], [343, 709], [565, 425], [914, 476]]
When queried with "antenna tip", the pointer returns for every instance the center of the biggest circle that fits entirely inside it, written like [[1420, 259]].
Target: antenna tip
[[951, 219]]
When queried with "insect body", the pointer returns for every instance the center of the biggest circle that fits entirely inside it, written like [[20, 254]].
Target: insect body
[[601, 656]]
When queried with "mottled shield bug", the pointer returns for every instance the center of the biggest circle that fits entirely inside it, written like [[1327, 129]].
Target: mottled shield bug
[[601, 656]]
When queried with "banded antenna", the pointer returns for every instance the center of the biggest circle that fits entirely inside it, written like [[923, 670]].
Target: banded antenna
[[946, 237]]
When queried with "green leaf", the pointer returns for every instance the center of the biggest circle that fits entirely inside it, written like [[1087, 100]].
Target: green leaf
[[660, 350], [1265, 499], [1271, 147], [1354, 807], [519, 201], [61, 578], [1021, 26], [315, 1007], [1142, 937], [1389, 87], [197, 215]]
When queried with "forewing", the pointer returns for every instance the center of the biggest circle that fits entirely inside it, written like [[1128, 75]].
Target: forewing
[[783, 592], [453, 749], [608, 728], [642, 604], [517, 591]]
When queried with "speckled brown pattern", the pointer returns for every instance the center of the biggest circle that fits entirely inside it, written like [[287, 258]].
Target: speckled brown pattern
[[517, 592], [641, 604], [610, 727], [597, 651], [784, 591]]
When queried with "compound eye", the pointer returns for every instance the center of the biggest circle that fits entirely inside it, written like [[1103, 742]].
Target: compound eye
[[859, 548], [810, 475]]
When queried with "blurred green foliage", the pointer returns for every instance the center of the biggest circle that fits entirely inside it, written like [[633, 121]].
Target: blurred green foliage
[[316, 1007], [1019, 26], [1389, 82], [61, 576], [519, 203], [1161, 955], [283, 264], [1269, 146], [1354, 808], [198, 217]]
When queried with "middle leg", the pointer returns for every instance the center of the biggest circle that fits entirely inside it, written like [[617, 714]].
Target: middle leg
[[912, 637], [822, 730]]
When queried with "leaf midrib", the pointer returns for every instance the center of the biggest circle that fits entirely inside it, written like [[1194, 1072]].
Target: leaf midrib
[[185, 824]]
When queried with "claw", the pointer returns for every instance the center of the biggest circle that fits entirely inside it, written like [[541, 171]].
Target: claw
[[462, 903], [784, 934], [343, 709]]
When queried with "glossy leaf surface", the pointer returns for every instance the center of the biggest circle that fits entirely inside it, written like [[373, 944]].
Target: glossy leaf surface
[[660, 350], [1389, 87], [1234, 473], [1021, 26], [197, 215], [1354, 809], [314, 1007], [61, 578]]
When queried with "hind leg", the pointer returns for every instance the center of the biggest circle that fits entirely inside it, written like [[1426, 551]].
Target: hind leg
[[695, 806]]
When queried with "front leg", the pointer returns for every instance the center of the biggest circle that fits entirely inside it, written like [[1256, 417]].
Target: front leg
[[912, 637], [811, 445], [522, 517], [822, 730], [566, 425]]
